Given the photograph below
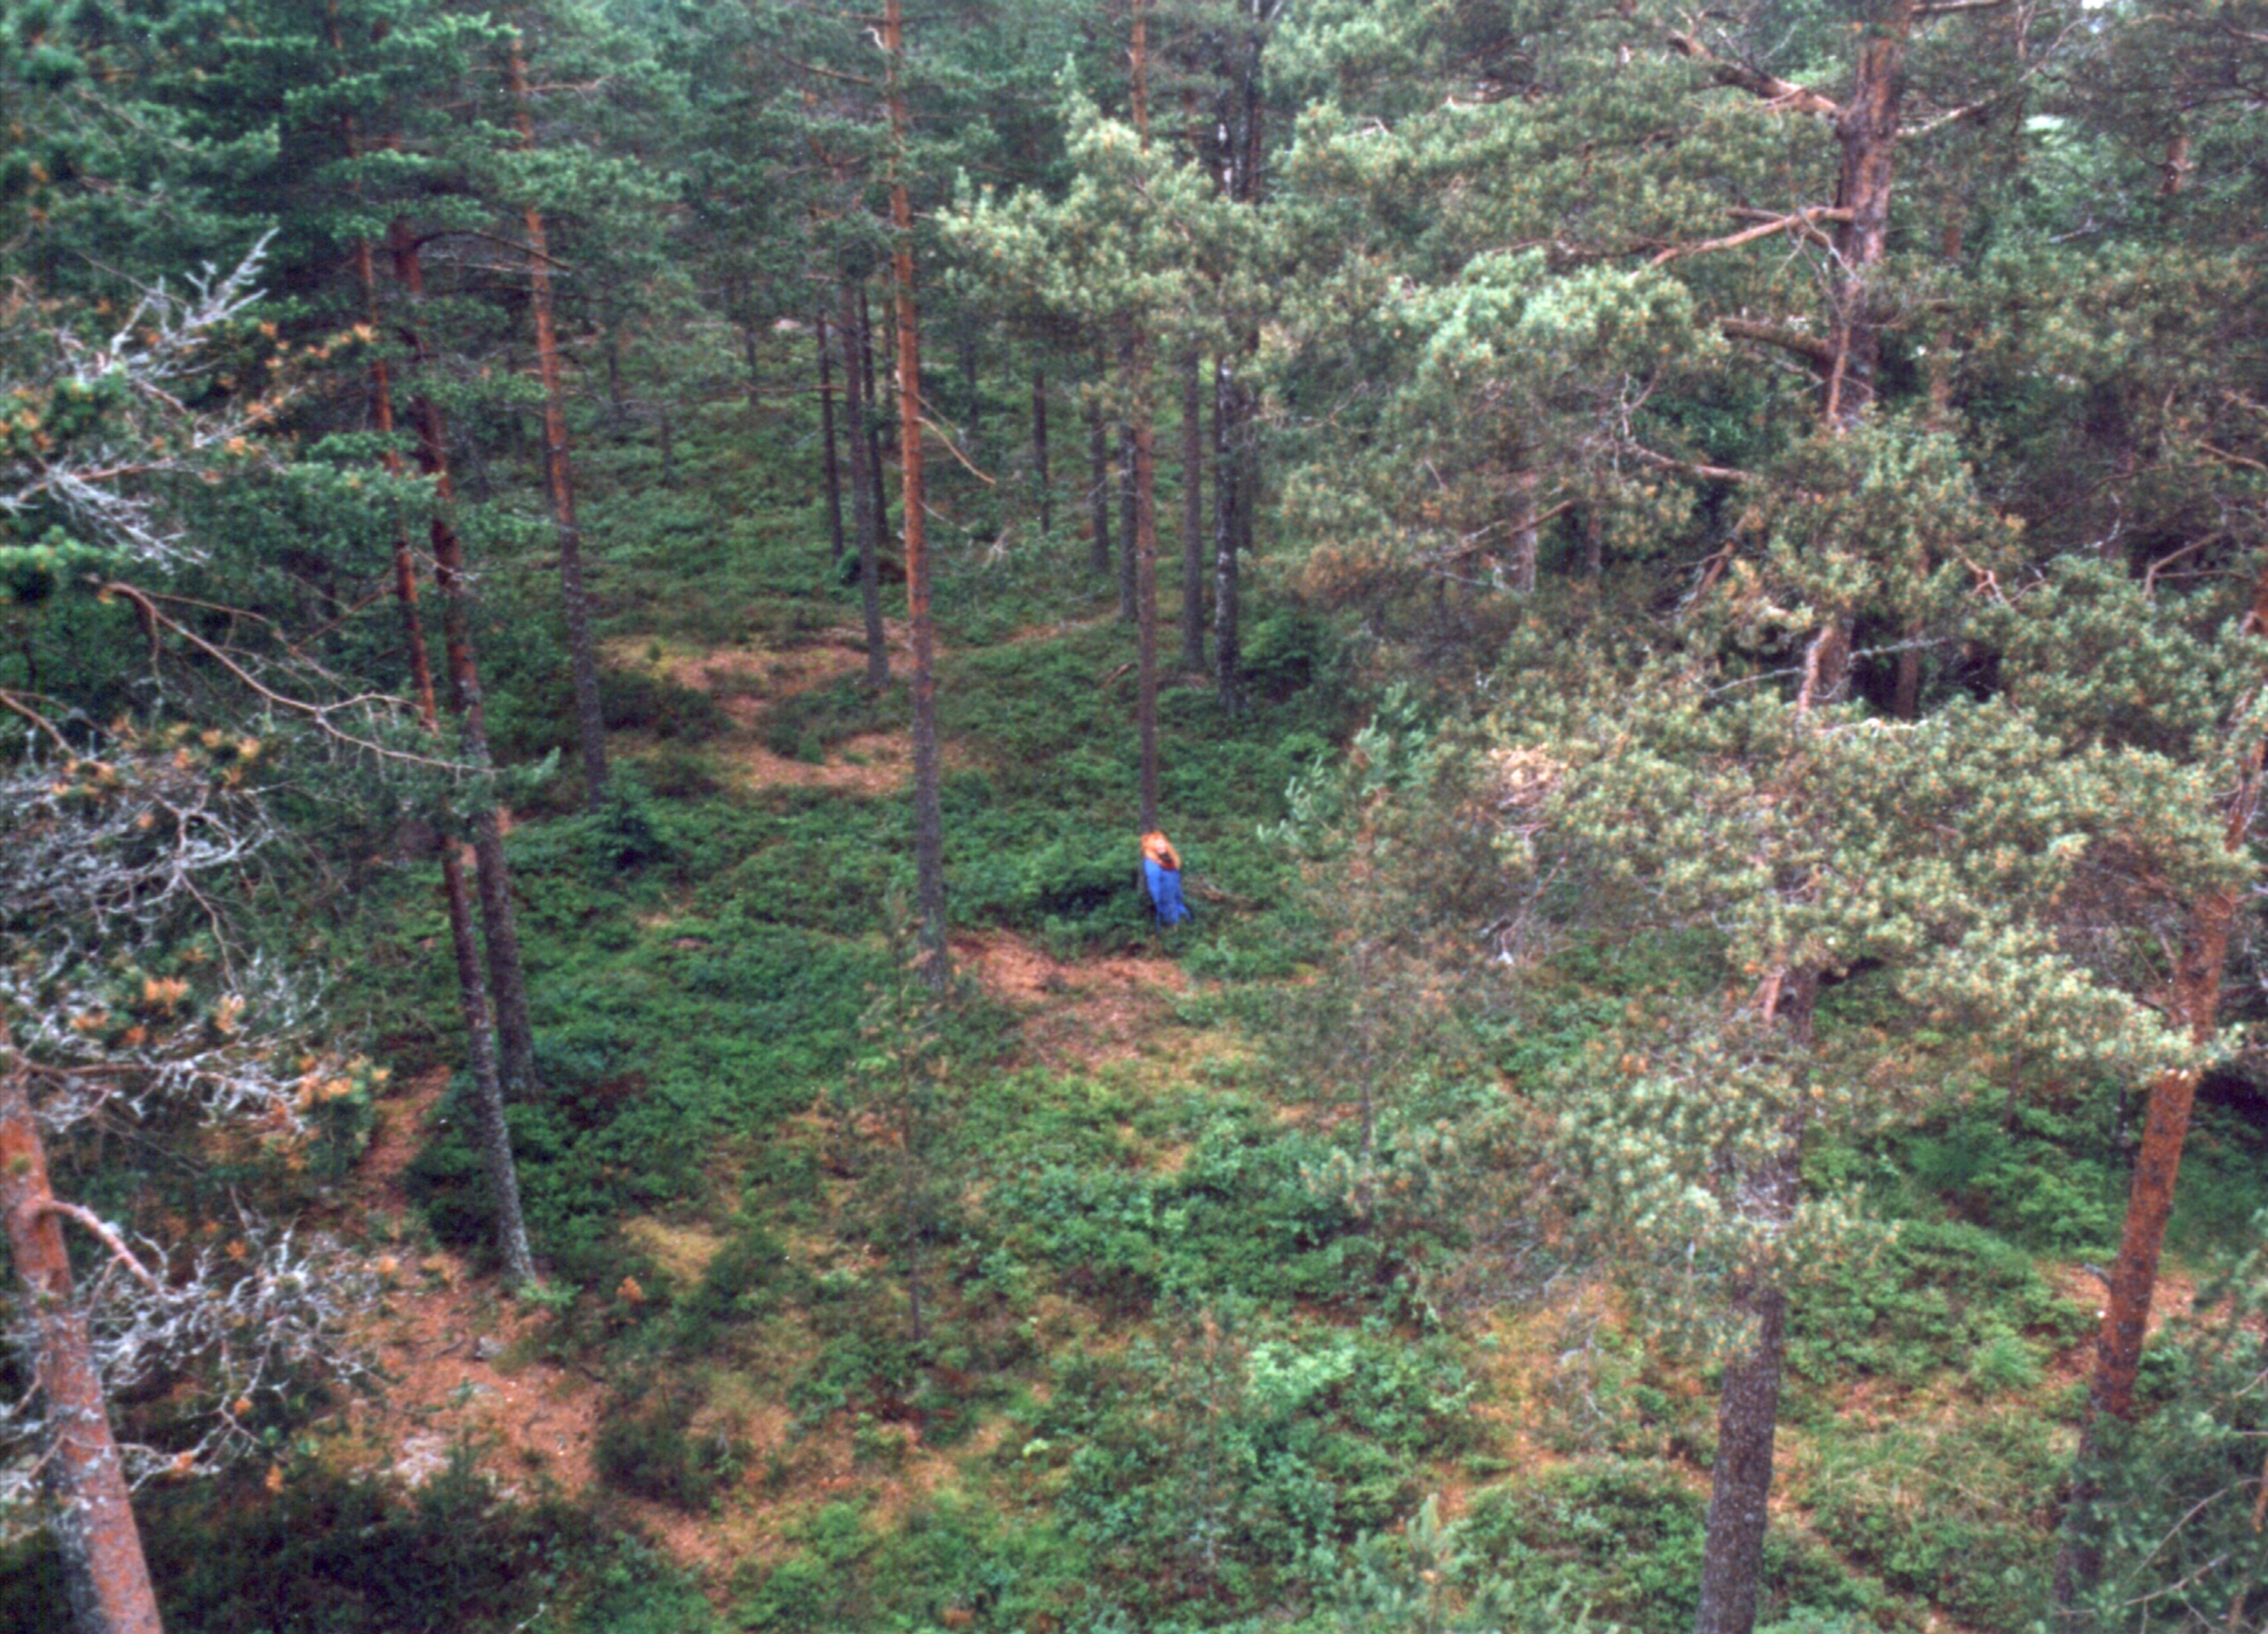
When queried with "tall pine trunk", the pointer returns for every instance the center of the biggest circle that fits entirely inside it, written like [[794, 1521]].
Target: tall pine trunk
[[1129, 505], [830, 470], [472, 996], [865, 513], [1227, 656], [1098, 487], [876, 419], [507, 977], [1867, 131], [1141, 457], [929, 816], [1040, 476], [106, 1579], [2195, 995], [1193, 541], [582, 653], [1769, 1189]]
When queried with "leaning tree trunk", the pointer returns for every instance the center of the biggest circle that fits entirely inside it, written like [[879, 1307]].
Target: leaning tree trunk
[[472, 996], [106, 1579], [865, 514], [929, 815], [507, 977]]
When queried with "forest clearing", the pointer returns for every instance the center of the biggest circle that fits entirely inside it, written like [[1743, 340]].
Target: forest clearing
[[1343, 818]]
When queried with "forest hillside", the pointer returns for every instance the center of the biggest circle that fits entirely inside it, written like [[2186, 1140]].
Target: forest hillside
[[623, 627]]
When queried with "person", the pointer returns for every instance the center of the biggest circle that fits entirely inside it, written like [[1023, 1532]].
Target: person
[[1161, 870]]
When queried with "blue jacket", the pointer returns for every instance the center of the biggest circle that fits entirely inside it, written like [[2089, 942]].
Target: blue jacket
[[1164, 892]]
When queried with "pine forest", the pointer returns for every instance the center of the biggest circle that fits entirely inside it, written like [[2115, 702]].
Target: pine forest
[[1134, 817]]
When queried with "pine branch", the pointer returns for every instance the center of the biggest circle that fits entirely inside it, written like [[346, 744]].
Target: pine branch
[[1775, 92]]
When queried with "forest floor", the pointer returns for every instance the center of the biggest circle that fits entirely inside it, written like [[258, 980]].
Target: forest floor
[[462, 1366], [465, 1367]]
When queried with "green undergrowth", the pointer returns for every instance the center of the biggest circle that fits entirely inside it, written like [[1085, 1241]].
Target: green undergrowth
[[979, 1338]]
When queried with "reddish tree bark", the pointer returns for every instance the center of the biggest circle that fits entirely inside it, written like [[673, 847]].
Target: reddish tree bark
[[2194, 1004], [929, 816], [472, 995], [582, 654], [104, 1575], [507, 979]]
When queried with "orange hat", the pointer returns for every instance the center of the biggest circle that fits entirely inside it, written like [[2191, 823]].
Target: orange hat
[[1160, 849]]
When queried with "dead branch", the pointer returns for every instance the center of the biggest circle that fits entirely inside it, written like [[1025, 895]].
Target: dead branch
[[1800, 223], [110, 1239], [1775, 92]]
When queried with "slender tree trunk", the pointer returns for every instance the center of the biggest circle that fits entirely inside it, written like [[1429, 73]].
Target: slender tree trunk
[[1193, 542], [830, 472], [507, 979], [472, 996], [1129, 504], [582, 653], [1142, 535], [865, 514], [1145, 585], [929, 816], [1040, 453], [887, 355], [1227, 656], [755, 371], [876, 420], [106, 1579], [1098, 490], [617, 411]]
